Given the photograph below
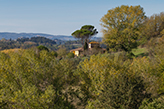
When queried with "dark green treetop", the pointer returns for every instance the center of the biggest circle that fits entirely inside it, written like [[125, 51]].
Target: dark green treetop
[[85, 33], [41, 47]]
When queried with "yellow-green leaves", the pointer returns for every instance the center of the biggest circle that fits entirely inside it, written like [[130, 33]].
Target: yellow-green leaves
[[96, 71], [153, 26], [31, 79], [121, 27]]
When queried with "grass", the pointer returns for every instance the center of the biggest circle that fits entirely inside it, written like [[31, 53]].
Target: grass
[[140, 52], [11, 50]]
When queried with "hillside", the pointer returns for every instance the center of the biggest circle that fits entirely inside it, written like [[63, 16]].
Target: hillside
[[8, 35], [26, 43]]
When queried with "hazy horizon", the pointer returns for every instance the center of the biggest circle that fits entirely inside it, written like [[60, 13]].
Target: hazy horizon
[[58, 17]]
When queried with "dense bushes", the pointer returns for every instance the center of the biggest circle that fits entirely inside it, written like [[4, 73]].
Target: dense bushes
[[122, 91], [31, 81], [37, 79]]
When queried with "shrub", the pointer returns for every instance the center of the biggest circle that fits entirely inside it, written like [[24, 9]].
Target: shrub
[[153, 104], [70, 55], [122, 91], [41, 47]]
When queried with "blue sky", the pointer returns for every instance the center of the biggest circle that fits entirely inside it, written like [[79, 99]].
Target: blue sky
[[62, 17]]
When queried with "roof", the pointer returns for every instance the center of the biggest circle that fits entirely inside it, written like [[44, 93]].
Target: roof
[[93, 42], [103, 49], [77, 49]]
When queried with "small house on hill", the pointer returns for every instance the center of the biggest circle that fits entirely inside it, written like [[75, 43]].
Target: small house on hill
[[77, 51], [91, 45]]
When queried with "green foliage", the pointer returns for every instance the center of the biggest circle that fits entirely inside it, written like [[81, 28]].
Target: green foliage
[[112, 81], [54, 53], [153, 104], [36, 40], [93, 51], [41, 47], [62, 52], [153, 26], [9, 44], [121, 27], [93, 74], [155, 48], [31, 81], [122, 91], [159, 57], [70, 55]]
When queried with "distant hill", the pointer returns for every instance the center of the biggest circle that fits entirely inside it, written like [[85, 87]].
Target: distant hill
[[8, 35]]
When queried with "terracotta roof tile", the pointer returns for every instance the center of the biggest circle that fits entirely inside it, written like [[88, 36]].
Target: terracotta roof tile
[[77, 49]]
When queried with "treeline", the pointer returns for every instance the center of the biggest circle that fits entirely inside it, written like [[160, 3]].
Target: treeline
[[26, 43], [36, 40]]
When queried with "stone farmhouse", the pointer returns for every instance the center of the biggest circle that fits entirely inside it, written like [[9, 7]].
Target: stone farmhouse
[[91, 45]]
